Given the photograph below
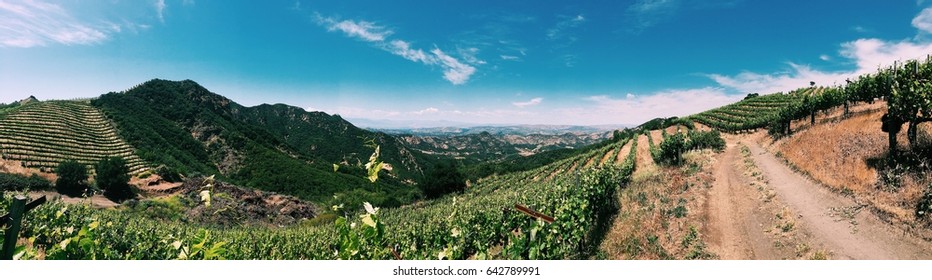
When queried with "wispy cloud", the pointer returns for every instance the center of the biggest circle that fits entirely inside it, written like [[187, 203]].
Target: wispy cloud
[[510, 57], [160, 10], [825, 57], [860, 29], [646, 13], [569, 60], [923, 21], [559, 30], [27, 24], [532, 102], [367, 31], [455, 71]]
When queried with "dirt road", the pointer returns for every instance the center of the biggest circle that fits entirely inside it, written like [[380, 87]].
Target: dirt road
[[741, 219], [737, 222], [834, 221]]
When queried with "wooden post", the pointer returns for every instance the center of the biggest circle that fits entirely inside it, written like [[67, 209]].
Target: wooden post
[[534, 214], [17, 208]]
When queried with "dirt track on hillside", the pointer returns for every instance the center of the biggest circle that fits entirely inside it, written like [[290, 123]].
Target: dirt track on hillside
[[741, 222], [835, 221], [737, 223]]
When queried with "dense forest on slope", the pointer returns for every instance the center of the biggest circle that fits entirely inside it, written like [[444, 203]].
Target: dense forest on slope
[[192, 130]]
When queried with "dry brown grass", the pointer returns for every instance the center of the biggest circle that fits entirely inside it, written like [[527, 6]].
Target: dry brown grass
[[644, 160], [660, 215], [836, 154], [15, 167], [701, 127], [842, 154], [608, 156], [620, 158], [657, 136]]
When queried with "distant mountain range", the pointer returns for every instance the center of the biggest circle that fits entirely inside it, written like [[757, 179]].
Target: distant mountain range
[[502, 130], [448, 128]]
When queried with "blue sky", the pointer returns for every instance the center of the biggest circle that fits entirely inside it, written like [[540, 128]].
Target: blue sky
[[483, 62]]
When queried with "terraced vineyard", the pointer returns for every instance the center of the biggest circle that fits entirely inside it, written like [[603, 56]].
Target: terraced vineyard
[[43, 134], [751, 113], [612, 154]]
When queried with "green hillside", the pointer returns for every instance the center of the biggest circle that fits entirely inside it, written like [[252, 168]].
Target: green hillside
[[275, 148], [43, 134], [332, 140]]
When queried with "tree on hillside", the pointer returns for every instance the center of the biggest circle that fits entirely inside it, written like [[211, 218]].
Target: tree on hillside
[[443, 179], [72, 178], [113, 178]]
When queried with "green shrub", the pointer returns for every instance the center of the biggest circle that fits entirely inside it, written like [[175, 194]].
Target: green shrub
[[705, 140], [113, 178], [443, 179], [671, 149], [167, 174], [16, 182], [322, 219], [72, 178]]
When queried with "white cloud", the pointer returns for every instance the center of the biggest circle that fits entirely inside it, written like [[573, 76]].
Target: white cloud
[[866, 54], [160, 9], [367, 31], [923, 21], [27, 24], [860, 29], [454, 71], [430, 110], [403, 49], [636, 109], [825, 57], [510, 57], [532, 102], [470, 56]]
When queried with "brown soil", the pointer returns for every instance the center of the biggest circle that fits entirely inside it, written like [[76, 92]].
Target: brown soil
[[608, 155], [644, 159], [736, 227], [657, 136], [15, 167], [234, 205], [701, 127], [97, 201], [589, 162], [623, 154], [573, 167]]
